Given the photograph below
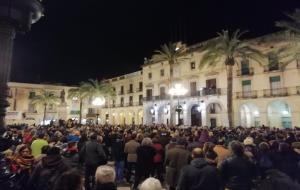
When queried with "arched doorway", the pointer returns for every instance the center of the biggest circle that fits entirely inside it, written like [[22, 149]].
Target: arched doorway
[[249, 115], [279, 114], [196, 119], [213, 111]]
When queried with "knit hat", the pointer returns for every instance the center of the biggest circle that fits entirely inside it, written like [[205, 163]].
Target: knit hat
[[249, 141]]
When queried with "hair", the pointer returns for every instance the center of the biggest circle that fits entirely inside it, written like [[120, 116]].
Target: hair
[[105, 174], [53, 151], [147, 142], [208, 146], [94, 136], [197, 153], [23, 148], [264, 147], [45, 149], [69, 180], [237, 148], [151, 184]]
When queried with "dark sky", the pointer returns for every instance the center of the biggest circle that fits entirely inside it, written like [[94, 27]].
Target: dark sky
[[82, 39]]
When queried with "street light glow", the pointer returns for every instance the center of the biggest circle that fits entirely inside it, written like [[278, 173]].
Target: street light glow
[[178, 90], [98, 101]]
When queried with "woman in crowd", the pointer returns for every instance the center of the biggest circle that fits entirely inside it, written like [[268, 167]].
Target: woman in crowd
[[105, 178]]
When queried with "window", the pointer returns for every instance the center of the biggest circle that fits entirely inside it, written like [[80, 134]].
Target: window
[[31, 108], [113, 103], [149, 75], [193, 88], [130, 100], [162, 92], [193, 65], [130, 88], [91, 111], [171, 71], [149, 94], [31, 95], [246, 88], [140, 99], [245, 67], [122, 89], [211, 87], [162, 72], [275, 85], [122, 102], [141, 86], [273, 62]]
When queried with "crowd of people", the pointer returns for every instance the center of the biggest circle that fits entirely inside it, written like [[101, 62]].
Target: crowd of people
[[102, 157]]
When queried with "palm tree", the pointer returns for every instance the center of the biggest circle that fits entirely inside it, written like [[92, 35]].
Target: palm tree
[[79, 93], [293, 25], [173, 53], [45, 99], [228, 48]]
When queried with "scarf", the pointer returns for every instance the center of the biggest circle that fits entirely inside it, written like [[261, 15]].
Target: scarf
[[24, 163]]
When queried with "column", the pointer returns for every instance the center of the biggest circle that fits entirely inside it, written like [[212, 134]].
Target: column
[[7, 35]]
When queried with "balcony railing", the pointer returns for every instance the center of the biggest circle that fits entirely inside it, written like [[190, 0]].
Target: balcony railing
[[139, 90], [245, 72], [277, 92], [247, 94], [268, 68], [210, 91], [91, 115], [129, 91]]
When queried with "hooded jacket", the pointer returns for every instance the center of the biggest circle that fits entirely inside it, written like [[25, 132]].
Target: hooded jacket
[[199, 175]]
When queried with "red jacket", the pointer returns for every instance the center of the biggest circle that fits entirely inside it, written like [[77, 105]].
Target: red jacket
[[159, 151]]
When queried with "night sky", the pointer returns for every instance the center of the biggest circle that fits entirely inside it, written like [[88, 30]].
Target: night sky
[[82, 39]]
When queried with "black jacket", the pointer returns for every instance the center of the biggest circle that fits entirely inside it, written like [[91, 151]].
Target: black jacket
[[106, 186], [93, 154], [199, 175], [237, 172], [117, 150]]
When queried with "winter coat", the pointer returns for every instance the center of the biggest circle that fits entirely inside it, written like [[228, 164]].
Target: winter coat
[[47, 172], [222, 153], [72, 158], [93, 154], [130, 149], [231, 173], [159, 153], [145, 155], [199, 175], [117, 150], [106, 186], [176, 158]]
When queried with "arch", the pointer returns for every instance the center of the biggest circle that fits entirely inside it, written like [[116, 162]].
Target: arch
[[279, 114], [249, 115]]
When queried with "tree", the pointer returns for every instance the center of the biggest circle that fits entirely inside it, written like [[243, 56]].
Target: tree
[[227, 49], [79, 93], [45, 99], [174, 54], [96, 88], [293, 24]]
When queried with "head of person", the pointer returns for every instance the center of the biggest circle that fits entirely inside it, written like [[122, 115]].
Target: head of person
[[41, 135], [197, 153], [25, 151], [208, 146], [151, 184], [147, 142], [236, 148], [181, 141], [93, 136], [53, 151], [264, 147], [70, 180], [105, 174]]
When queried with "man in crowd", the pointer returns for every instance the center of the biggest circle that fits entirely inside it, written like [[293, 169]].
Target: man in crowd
[[38, 144]]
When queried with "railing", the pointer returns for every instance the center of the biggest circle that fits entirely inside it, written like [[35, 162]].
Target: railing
[[277, 92], [268, 68], [247, 94], [139, 90], [244, 72], [210, 91], [91, 114], [129, 91]]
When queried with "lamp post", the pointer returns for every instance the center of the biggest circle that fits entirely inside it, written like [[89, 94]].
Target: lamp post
[[98, 101], [15, 16], [178, 90]]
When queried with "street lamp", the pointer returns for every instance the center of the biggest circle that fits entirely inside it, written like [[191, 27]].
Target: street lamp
[[15, 16], [178, 90], [98, 101]]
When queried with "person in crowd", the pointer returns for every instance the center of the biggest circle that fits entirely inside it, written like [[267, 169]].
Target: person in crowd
[[130, 149], [23, 163], [118, 156], [151, 184], [176, 158], [237, 171], [199, 174], [37, 144], [48, 171], [144, 165], [158, 159], [70, 180], [264, 162], [250, 148], [93, 155], [105, 178], [71, 155], [221, 151]]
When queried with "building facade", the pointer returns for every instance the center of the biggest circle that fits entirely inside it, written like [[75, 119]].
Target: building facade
[[262, 95]]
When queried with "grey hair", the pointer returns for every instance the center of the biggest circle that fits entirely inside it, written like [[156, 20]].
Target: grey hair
[[147, 142], [105, 174], [151, 184]]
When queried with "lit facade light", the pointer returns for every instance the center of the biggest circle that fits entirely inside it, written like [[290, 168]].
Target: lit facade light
[[178, 90], [98, 101], [285, 112]]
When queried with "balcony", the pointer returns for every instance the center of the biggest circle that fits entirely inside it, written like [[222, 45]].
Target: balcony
[[210, 91], [194, 93], [139, 90], [268, 68], [245, 72], [129, 91], [278, 92], [246, 95], [91, 115]]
